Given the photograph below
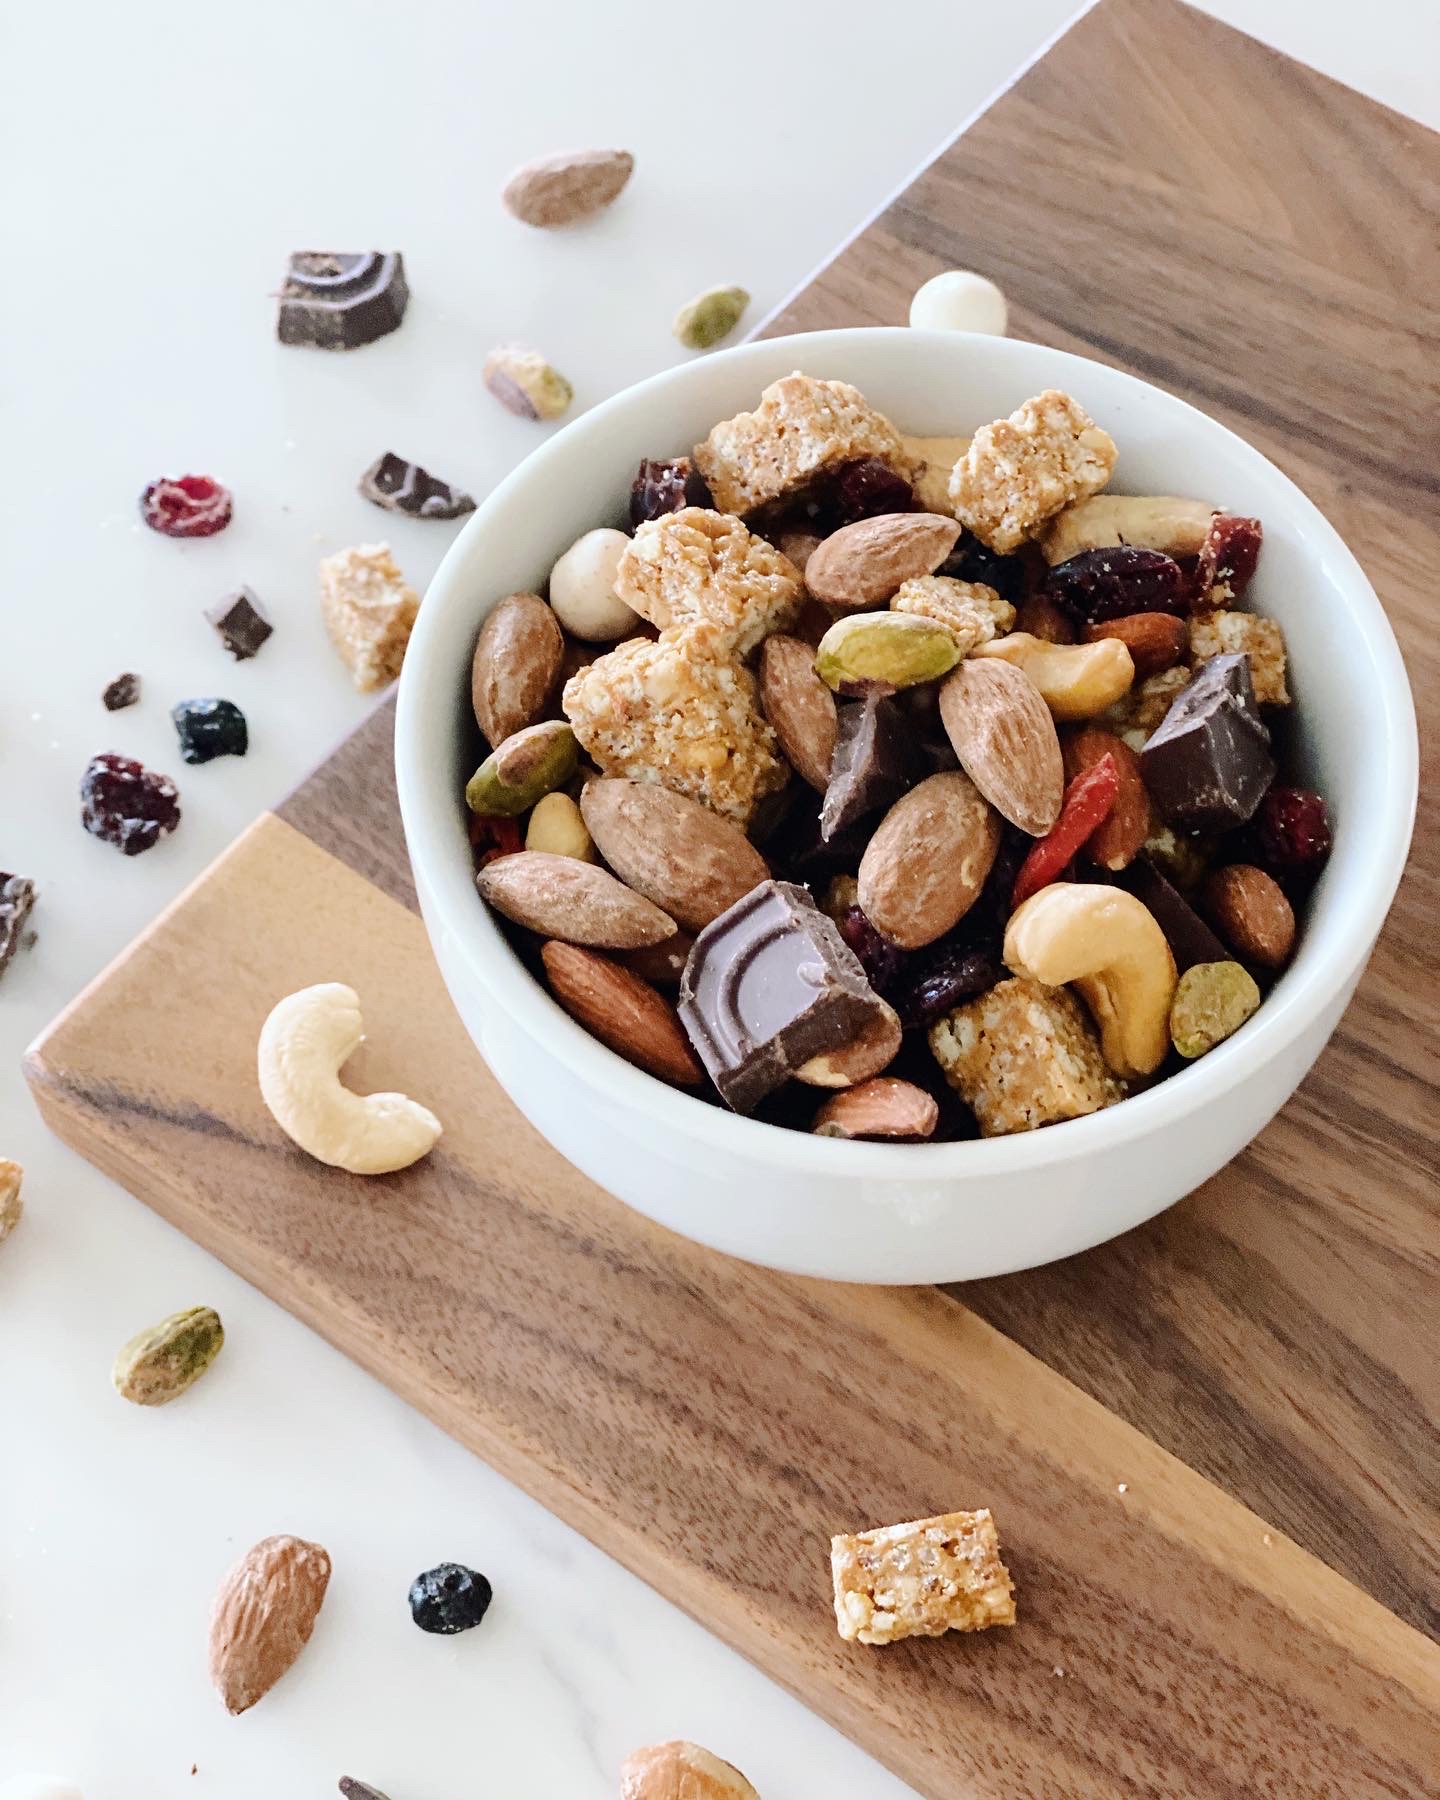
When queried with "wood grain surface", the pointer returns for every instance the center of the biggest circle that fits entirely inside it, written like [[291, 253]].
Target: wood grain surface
[[1166, 195]]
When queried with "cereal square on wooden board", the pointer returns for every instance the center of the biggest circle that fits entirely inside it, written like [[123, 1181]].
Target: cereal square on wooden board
[[703, 565], [369, 610], [671, 711], [801, 428], [1228, 633], [1021, 471], [971, 612], [921, 1579], [1023, 1055]]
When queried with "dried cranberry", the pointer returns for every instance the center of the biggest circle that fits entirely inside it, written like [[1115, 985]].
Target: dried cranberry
[[127, 804], [1109, 584], [665, 485], [881, 960], [449, 1598], [123, 691], [945, 978], [971, 560], [493, 838], [993, 907], [1228, 556], [210, 728], [863, 489], [1293, 828], [186, 506]]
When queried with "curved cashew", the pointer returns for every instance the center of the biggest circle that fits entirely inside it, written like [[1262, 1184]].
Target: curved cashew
[[304, 1043], [1147, 521], [1104, 942], [1076, 681]]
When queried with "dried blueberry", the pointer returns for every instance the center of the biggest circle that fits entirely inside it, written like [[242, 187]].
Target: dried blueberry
[[881, 960], [449, 1598], [863, 489], [1293, 828], [210, 728], [1112, 583], [186, 506], [945, 978], [665, 485], [126, 804], [971, 560], [123, 691]]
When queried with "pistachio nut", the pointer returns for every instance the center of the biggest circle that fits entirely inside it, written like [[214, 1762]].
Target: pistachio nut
[[884, 651], [1212, 1001], [525, 384], [710, 316], [527, 766], [161, 1362]]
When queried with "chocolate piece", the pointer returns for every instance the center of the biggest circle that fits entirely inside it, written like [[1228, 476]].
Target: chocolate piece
[[1189, 937], [17, 896], [340, 299], [1208, 765], [123, 691], [769, 985], [871, 766], [405, 487], [240, 619]]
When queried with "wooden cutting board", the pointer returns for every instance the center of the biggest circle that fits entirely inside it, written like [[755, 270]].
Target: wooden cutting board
[[1211, 1445]]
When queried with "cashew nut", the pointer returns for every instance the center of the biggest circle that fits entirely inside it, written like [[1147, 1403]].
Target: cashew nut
[[934, 458], [1076, 681], [304, 1043], [1105, 943], [1146, 521]]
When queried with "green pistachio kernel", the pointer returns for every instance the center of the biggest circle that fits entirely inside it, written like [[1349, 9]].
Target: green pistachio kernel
[[884, 651], [527, 766], [710, 316], [1212, 1001], [161, 1362]]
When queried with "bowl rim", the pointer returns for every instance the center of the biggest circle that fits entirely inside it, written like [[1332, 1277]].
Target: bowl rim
[[426, 798]]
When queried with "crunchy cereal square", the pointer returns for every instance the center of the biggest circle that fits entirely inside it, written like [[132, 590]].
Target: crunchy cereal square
[[921, 1579], [1228, 633], [801, 428], [970, 611], [701, 565], [1021, 1056], [369, 610], [1020, 471], [668, 711]]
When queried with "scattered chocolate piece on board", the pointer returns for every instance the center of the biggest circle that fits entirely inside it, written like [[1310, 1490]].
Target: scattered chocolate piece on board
[[340, 299], [241, 622], [123, 691], [405, 487]]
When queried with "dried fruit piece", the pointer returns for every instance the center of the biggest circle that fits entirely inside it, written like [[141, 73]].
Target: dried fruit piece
[[493, 837], [1212, 1001], [263, 1616], [527, 765], [665, 485], [125, 804], [577, 902], [516, 666], [405, 487], [1293, 830], [560, 189], [1250, 911], [369, 611], [12, 1207], [556, 826], [449, 1598], [241, 623], [342, 299], [674, 851], [210, 728], [1227, 559], [1088, 800], [710, 316], [186, 506], [681, 1771], [926, 864], [525, 384], [863, 489], [1116, 841], [1004, 736], [1155, 640], [883, 652], [159, 1363], [865, 563], [123, 691], [1009, 575], [946, 978], [1111, 584], [17, 901]]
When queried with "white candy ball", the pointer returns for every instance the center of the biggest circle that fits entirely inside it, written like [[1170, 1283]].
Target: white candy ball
[[959, 300], [38, 1787], [582, 588]]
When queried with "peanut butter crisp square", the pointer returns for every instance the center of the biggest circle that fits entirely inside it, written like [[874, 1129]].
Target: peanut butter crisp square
[[697, 565], [369, 610], [921, 1580], [1019, 472]]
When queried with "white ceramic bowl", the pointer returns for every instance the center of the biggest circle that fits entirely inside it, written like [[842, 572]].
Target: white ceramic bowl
[[911, 1212]]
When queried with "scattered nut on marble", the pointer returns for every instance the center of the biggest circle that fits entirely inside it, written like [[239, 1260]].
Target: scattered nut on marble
[[304, 1043], [959, 300], [582, 588], [681, 1771]]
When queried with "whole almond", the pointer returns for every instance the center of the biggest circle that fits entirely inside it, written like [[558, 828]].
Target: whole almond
[[1155, 641], [865, 563], [263, 1616], [872, 1049], [924, 867], [800, 707], [1002, 732], [613, 1003], [561, 897], [671, 849], [558, 190], [516, 668], [1117, 840], [882, 1107], [1251, 912]]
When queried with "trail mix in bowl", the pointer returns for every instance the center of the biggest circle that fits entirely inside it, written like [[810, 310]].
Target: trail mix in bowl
[[919, 770]]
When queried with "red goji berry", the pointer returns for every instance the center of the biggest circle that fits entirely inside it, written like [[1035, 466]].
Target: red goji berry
[[1086, 806]]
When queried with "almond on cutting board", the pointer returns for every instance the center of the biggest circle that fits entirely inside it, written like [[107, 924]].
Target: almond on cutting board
[[674, 851], [865, 563], [561, 897], [633, 1018], [263, 1616]]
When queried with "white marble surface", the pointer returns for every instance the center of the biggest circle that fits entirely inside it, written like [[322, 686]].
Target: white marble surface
[[151, 195]]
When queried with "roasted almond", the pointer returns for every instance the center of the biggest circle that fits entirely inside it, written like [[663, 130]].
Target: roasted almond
[[1117, 840], [671, 849], [561, 897], [1002, 732], [1251, 912], [516, 667], [865, 563], [926, 863], [558, 190], [616, 1006], [263, 1616], [882, 1107], [799, 706], [874, 1048], [1155, 641]]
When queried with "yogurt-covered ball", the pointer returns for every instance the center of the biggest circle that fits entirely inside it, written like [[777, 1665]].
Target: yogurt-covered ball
[[582, 588], [959, 300]]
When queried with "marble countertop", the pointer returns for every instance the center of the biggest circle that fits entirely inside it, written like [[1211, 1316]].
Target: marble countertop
[[165, 178]]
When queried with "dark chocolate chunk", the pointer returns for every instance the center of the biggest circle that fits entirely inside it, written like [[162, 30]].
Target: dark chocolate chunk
[[768, 985], [241, 621], [1189, 937], [405, 487], [123, 691], [17, 897], [1208, 765], [210, 728], [872, 763], [339, 300]]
